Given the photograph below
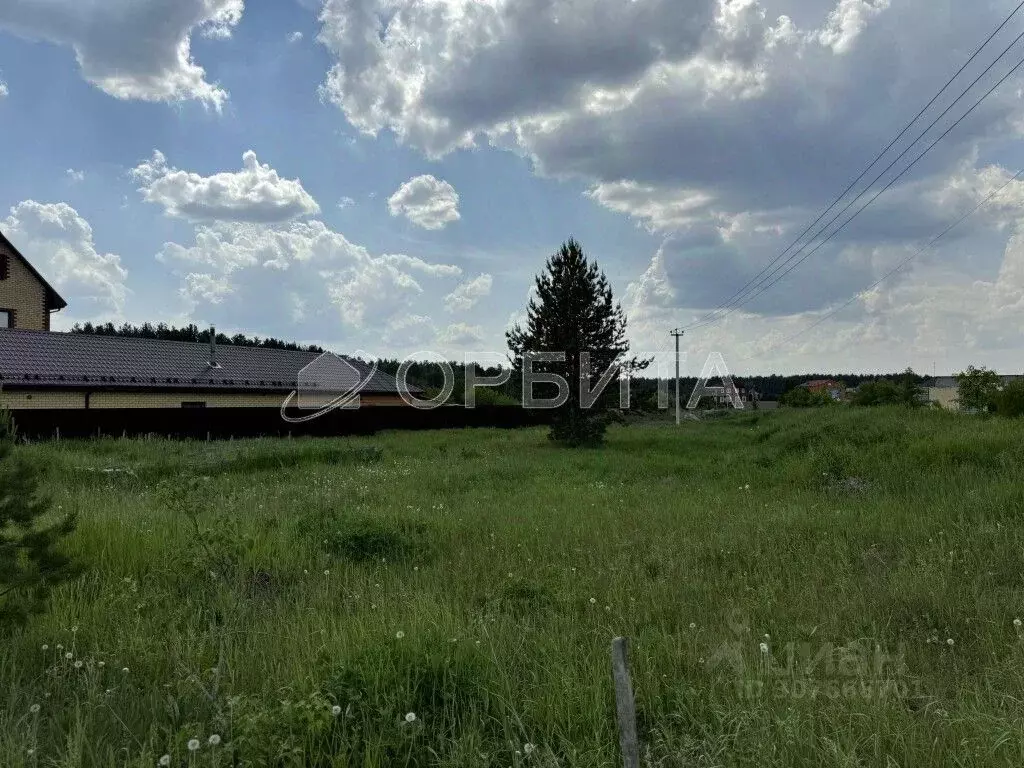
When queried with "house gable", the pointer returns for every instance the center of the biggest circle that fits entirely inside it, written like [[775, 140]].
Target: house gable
[[25, 297]]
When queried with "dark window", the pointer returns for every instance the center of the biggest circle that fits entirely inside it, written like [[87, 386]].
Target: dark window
[[4, 265], [193, 404]]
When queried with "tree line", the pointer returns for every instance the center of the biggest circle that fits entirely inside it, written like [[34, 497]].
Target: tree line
[[190, 332]]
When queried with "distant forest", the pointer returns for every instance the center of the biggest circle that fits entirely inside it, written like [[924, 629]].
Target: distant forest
[[429, 375], [188, 333]]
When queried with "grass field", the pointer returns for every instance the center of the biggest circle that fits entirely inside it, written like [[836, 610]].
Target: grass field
[[806, 588]]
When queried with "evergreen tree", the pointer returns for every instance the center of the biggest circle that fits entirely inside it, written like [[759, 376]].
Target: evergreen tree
[[574, 312], [30, 565]]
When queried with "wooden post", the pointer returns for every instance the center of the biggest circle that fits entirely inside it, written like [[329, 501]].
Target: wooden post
[[625, 707]]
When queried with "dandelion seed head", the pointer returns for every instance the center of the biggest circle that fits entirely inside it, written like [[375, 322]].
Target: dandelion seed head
[[68, 655], [693, 625], [410, 717], [593, 600], [78, 664], [214, 739], [164, 760], [124, 670], [764, 647], [34, 709], [47, 647], [399, 634], [950, 642], [528, 748], [1016, 623], [193, 745], [335, 710]]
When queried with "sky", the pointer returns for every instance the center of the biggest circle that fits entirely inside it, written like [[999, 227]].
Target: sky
[[388, 176]]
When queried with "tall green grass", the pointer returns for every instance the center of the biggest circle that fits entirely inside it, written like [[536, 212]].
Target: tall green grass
[[474, 579]]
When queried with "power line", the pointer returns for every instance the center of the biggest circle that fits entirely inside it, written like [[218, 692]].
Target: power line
[[765, 281], [878, 157], [764, 286], [902, 264]]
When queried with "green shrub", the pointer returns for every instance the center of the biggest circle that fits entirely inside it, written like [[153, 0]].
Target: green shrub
[[362, 538], [30, 563], [1010, 401], [976, 389], [802, 397]]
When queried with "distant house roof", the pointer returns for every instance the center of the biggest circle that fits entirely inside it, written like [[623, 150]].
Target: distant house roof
[[53, 299], [820, 383], [44, 359]]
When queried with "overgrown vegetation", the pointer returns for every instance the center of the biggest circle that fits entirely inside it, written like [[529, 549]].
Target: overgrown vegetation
[[976, 389], [31, 563], [451, 602]]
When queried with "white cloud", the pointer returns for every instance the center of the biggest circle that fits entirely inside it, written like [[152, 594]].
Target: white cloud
[[460, 336], [310, 264], [254, 194], [3, 89], [418, 264], [346, 202], [295, 37], [372, 291], [132, 50], [847, 21], [75, 176], [59, 243], [409, 331], [206, 287], [658, 209], [426, 201], [466, 295]]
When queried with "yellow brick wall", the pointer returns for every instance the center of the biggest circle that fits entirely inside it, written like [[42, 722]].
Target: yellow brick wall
[[16, 400], [23, 293], [944, 396], [20, 400]]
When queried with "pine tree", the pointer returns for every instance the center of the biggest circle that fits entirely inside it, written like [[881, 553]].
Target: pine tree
[[30, 565], [574, 312]]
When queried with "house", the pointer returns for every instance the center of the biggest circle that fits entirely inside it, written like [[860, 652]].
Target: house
[[942, 390], [26, 299], [42, 369], [835, 389]]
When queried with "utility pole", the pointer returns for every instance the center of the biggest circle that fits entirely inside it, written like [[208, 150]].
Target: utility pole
[[678, 334]]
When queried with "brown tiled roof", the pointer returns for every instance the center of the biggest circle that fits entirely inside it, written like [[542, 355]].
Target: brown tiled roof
[[45, 359], [53, 299]]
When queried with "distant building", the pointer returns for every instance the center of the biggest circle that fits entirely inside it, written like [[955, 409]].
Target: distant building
[[41, 369], [835, 389], [942, 390]]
